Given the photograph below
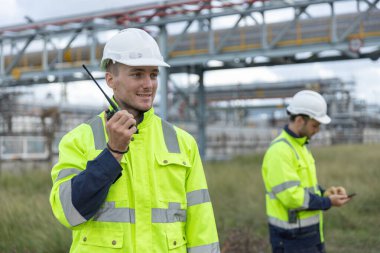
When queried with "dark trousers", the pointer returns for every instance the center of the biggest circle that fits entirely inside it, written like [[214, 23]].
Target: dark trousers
[[299, 240]]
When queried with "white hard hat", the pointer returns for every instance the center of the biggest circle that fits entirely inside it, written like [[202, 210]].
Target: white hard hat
[[309, 103], [133, 47]]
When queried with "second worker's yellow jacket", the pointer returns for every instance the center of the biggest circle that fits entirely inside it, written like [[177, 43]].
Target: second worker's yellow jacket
[[293, 197]]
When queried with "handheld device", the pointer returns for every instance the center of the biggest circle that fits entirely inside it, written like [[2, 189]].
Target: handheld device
[[109, 113]]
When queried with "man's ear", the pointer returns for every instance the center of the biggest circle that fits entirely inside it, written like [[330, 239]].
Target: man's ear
[[299, 119], [110, 80]]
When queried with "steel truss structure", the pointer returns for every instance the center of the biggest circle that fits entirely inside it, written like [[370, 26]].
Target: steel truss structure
[[53, 50]]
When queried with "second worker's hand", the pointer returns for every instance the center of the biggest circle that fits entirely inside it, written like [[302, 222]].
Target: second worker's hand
[[335, 190], [120, 129], [338, 199]]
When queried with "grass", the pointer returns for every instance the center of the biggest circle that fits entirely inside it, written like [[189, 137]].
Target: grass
[[237, 192], [27, 223]]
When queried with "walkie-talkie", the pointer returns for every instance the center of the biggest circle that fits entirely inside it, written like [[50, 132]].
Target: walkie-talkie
[[109, 113]]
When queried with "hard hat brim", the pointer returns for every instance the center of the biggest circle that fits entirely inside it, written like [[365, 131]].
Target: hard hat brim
[[140, 62], [323, 120], [145, 62]]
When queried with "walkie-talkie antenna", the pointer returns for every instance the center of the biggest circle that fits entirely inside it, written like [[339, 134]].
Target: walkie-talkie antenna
[[114, 106]]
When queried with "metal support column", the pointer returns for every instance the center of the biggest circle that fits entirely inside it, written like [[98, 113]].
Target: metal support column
[[264, 34], [333, 31], [45, 54], [163, 38], [201, 114], [2, 59], [211, 37], [94, 44]]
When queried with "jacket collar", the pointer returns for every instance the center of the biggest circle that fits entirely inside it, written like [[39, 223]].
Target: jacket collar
[[300, 140], [146, 117]]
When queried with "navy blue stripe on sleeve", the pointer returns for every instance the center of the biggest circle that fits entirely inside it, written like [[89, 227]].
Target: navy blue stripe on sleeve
[[318, 203], [91, 186]]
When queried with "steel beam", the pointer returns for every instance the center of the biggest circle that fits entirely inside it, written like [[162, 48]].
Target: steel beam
[[19, 55], [357, 21]]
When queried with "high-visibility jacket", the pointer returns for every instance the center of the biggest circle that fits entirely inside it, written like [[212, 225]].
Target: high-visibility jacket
[[293, 197], [155, 200]]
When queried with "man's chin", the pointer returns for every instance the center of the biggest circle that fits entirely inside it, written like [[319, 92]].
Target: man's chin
[[144, 109]]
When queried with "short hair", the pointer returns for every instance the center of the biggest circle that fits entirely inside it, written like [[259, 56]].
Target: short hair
[[292, 117], [112, 67]]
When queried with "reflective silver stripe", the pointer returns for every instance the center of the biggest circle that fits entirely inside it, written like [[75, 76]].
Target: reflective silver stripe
[[109, 213], [172, 214], [170, 137], [98, 132], [197, 197], [208, 248], [301, 222], [305, 204], [67, 172], [287, 142], [286, 185], [72, 215], [306, 200]]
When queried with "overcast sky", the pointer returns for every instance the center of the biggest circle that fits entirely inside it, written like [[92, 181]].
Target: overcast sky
[[364, 72]]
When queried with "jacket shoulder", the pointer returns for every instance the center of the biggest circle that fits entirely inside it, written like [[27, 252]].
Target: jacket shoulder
[[81, 133], [281, 147]]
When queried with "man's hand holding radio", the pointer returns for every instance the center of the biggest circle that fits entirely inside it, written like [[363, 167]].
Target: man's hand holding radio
[[120, 129]]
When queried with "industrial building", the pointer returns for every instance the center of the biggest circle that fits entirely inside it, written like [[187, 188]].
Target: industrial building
[[226, 120]]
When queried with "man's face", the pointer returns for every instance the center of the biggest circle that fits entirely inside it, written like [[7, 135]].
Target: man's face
[[134, 88], [309, 128]]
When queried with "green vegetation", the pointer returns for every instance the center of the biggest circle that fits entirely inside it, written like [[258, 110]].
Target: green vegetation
[[237, 192], [27, 223]]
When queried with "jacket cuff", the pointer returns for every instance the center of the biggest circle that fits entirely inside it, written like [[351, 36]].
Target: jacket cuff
[[318, 203], [326, 203], [110, 166]]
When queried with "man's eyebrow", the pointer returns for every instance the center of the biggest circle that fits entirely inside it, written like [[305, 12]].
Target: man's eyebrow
[[137, 70], [143, 70]]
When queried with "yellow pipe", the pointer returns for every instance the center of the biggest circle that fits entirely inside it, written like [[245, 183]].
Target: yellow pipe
[[242, 39], [299, 33]]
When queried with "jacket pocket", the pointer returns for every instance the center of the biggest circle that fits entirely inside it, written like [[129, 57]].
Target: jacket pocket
[[171, 171], [172, 160], [176, 240], [102, 238]]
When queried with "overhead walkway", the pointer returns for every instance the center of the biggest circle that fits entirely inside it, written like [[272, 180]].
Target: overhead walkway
[[54, 50]]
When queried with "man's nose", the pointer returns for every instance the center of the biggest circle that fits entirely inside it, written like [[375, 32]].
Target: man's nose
[[148, 82]]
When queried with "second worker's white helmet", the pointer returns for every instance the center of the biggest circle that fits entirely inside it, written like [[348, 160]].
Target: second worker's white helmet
[[132, 47], [309, 103]]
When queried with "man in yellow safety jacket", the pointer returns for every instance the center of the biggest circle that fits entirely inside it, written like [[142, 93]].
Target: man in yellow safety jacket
[[132, 182], [294, 200]]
